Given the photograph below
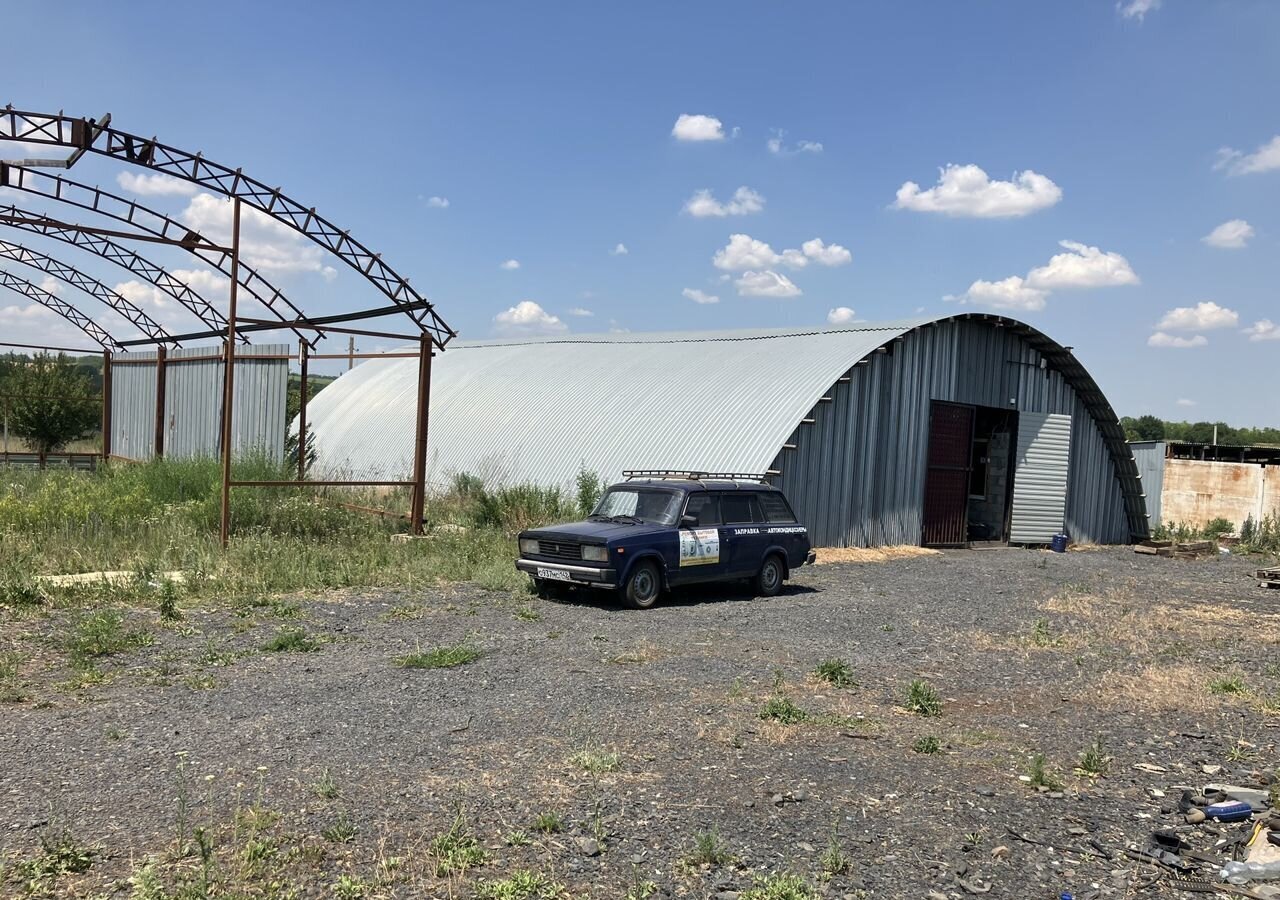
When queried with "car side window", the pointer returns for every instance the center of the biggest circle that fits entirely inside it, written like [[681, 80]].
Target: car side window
[[738, 509], [705, 508], [775, 509]]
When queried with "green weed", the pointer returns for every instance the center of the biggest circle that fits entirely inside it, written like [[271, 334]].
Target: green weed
[[548, 822], [439, 657], [325, 787], [1094, 761], [291, 640], [10, 686], [835, 672], [1229, 684], [342, 831], [102, 633], [349, 887], [456, 850], [1039, 776], [927, 744], [782, 710], [596, 761], [709, 850], [783, 886], [522, 884], [922, 699]]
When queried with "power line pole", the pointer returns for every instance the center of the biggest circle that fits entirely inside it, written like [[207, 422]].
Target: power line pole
[[351, 352]]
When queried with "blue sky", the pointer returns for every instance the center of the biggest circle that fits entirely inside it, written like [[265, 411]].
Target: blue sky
[[551, 131]]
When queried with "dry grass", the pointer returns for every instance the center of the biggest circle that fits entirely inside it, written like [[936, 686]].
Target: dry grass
[[1160, 687], [828, 555], [1119, 619]]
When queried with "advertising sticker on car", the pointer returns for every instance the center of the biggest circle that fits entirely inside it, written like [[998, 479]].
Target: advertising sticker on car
[[554, 574], [699, 546]]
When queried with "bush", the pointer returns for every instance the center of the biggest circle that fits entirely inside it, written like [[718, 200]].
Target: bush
[[590, 487], [1215, 528]]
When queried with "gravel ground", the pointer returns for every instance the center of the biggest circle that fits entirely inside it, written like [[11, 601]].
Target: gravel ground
[[1032, 653]]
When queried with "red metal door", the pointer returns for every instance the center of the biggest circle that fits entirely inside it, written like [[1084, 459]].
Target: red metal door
[[946, 487]]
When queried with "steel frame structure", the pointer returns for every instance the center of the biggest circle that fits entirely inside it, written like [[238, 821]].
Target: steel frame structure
[[113, 252], [93, 287], [55, 303], [104, 203], [81, 135], [88, 135]]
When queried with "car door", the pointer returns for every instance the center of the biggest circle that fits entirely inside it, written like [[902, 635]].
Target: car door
[[702, 556], [743, 533], [783, 528]]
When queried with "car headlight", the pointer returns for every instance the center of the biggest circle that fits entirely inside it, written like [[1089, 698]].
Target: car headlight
[[528, 545], [594, 553]]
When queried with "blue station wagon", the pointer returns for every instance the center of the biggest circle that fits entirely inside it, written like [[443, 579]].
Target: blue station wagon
[[658, 530]]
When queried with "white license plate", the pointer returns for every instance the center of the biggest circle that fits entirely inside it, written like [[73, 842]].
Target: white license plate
[[555, 574]]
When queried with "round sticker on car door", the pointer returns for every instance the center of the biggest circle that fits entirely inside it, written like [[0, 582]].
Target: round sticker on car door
[[699, 546]]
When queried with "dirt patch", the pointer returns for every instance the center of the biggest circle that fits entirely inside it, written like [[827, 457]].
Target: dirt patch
[[830, 555]]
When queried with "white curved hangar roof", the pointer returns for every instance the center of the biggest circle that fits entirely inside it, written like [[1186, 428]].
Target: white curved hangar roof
[[538, 409]]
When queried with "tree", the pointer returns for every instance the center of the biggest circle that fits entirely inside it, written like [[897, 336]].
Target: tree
[[49, 402], [1148, 428]]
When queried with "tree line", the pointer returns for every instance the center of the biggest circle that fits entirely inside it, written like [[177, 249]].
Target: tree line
[[1153, 428]]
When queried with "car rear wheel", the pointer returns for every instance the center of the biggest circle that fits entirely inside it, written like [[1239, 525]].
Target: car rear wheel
[[772, 573], [644, 585]]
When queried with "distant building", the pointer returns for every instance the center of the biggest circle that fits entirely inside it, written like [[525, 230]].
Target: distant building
[[1192, 484], [936, 431]]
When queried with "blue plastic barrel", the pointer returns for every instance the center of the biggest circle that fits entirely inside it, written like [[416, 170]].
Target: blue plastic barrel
[[1059, 543]]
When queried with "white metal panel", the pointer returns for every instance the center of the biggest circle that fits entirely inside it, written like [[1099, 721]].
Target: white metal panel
[[1040, 477], [537, 410]]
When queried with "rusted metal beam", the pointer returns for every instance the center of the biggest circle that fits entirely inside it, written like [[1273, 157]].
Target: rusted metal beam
[[158, 446], [61, 307], [302, 412], [106, 404], [418, 502], [90, 135], [228, 381]]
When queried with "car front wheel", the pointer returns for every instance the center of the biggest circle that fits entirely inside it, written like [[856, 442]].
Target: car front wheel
[[772, 573], [643, 585]]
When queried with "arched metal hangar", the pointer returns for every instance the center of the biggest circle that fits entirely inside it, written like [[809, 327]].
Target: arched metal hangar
[[939, 431]]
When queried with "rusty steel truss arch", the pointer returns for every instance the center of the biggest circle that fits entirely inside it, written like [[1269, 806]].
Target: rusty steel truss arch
[[151, 272], [58, 305], [81, 135], [150, 221], [69, 274]]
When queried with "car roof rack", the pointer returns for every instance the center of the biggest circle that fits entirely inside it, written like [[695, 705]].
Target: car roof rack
[[684, 475]]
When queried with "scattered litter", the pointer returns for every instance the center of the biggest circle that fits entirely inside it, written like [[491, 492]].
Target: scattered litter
[[1229, 811], [1150, 767]]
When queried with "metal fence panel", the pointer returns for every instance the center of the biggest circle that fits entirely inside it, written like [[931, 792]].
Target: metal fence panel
[[193, 402]]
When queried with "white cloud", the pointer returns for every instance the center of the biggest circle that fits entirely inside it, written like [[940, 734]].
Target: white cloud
[[826, 254], [158, 184], [766, 284], [1229, 235], [1082, 267], [1137, 9], [1264, 159], [1263, 330], [266, 243], [1008, 293], [527, 318], [1183, 401], [438, 202], [1201, 317], [968, 191], [744, 252], [697, 128], [841, 315], [699, 296], [704, 204], [580, 311], [509, 265], [619, 249], [778, 148], [1161, 339]]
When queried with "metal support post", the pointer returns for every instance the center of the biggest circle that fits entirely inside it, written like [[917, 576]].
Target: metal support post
[[303, 354], [161, 372], [228, 378], [106, 406], [420, 440]]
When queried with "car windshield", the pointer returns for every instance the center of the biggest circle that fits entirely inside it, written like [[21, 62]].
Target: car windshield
[[659, 507]]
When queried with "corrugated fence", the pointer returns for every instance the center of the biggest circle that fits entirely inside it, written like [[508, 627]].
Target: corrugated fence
[[193, 402]]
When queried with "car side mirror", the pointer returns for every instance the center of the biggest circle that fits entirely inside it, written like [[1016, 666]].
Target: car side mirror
[[688, 521]]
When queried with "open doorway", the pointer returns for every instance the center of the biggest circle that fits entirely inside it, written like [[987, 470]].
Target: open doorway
[[991, 467], [968, 486]]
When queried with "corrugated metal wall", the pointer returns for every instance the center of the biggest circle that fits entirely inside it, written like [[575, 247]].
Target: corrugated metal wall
[[857, 473], [1149, 455], [193, 402], [1041, 477]]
